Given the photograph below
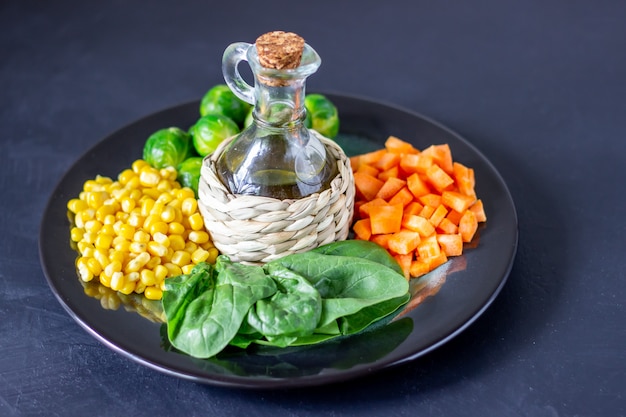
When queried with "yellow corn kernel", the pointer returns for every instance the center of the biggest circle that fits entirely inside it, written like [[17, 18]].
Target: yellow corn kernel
[[160, 273], [135, 220], [147, 277], [76, 234], [154, 261], [190, 247], [168, 214], [127, 231], [187, 268], [96, 199], [135, 264], [199, 255], [164, 198], [102, 257], [92, 226], [168, 173], [173, 269], [118, 256], [109, 219], [177, 242], [89, 237], [84, 246], [175, 228], [128, 204], [153, 293], [196, 222], [139, 287], [120, 215], [181, 258], [125, 176], [135, 194], [85, 274], [184, 193], [213, 254], [105, 210], [149, 177], [103, 241], [133, 276], [150, 220], [91, 186], [161, 238], [141, 236], [133, 184], [114, 266], [75, 205], [198, 236], [158, 227], [176, 203], [157, 249], [189, 206], [121, 245], [146, 206], [164, 185], [105, 280], [138, 247], [129, 287], [101, 179], [138, 165], [117, 281]]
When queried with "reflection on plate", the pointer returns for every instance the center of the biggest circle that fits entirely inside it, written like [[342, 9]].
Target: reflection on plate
[[464, 287]]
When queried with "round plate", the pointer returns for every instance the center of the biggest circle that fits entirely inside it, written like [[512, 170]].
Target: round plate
[[464, 287]]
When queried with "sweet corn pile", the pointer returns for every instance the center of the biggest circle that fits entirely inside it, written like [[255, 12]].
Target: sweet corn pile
[[135, 232]]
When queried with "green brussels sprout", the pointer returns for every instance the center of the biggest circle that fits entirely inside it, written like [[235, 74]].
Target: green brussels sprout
[[189, 173], [167, 147], [221, 100], [210, 130], [324, 115]]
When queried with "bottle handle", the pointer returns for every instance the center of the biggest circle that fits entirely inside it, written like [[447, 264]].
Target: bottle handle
[[233, 55]]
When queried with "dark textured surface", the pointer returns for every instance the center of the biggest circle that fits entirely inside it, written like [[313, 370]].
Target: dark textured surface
[[537, 86]]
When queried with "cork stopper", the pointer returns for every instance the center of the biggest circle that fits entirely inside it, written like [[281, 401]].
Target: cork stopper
[[280, 50]]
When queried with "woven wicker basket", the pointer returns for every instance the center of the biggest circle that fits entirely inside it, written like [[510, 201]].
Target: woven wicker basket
[[253, 229]]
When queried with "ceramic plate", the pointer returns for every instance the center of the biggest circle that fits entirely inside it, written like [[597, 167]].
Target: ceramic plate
[[443, 303]]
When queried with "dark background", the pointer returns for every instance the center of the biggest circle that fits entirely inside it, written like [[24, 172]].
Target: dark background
[[537, 86]]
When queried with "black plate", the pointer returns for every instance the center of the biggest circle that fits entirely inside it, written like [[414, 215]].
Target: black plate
[[464, 287]]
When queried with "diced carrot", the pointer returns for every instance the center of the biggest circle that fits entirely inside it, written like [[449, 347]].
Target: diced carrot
[[390, 188], [438, 215], [418, 268], [468, 226], [454, 217], [386, 219], [363, 229], [403, 197], [456, 201], [397, 145], [452, 245], [387, 161], [430, 199], [368, 169], [464, 178], [366, 185], [355, 161], [381, 240], [364, 209], [427, 211], [424, 161], [428, 248], [438, 178], [435, 261], [418, 224], [414, 207], [392, 172], [447, 227], [441, 155], [372, 157], [405, 263], [404, 242], [417, 186], [479, 211], [410, 163]]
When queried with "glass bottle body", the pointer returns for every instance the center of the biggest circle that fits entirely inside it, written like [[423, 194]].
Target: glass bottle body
[[276, 156]]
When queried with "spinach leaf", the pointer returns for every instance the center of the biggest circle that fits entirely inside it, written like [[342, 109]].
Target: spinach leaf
[[293, 310], [211, 320], [360, 249], [346, 284]]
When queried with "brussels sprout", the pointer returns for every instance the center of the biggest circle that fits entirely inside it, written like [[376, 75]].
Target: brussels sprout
[[221, 100], [167, 147], [210, 130], [324, 115], [189, 173]]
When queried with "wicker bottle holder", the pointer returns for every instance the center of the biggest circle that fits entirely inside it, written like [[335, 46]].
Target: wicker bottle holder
[[253, 229]]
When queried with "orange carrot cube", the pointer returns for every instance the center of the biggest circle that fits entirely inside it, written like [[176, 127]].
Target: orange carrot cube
[[404, 242], [364, 209], [438, 178], [479, 211], [468, 226], [417, 186], [447, 227], [367, 186], [363, 229], [386, 219], [418, 224], [403, 197], [390, 188], [452, 245], [438, 215], [456, 201], [398, 146]]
